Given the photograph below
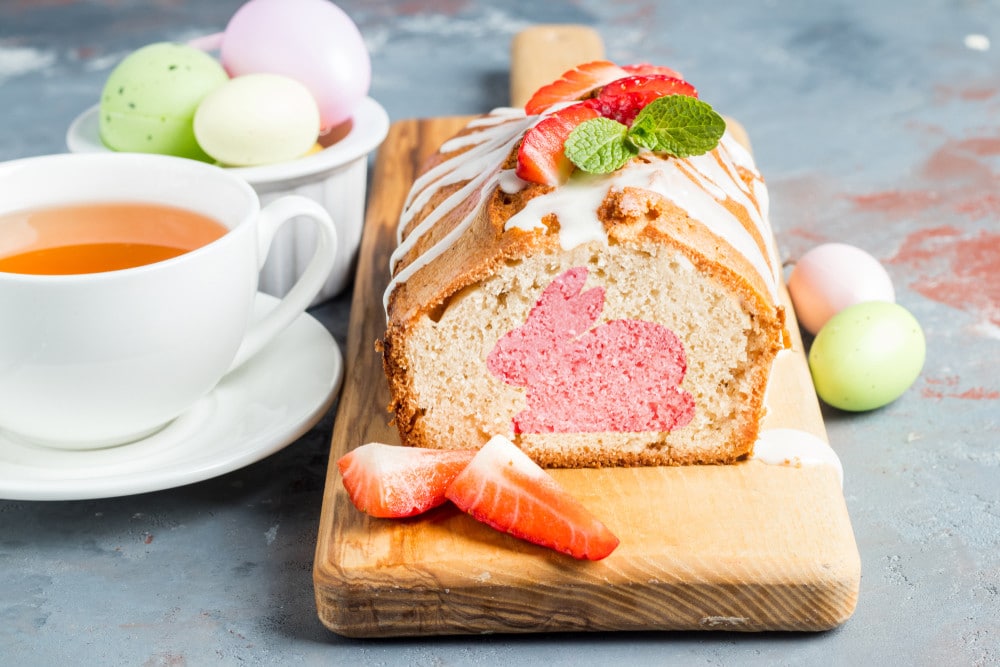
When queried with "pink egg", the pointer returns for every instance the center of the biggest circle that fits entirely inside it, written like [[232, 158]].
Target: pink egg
[[833, 276], [312, 41]]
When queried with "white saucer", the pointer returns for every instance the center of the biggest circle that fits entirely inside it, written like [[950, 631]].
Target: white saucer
[[255, 411]]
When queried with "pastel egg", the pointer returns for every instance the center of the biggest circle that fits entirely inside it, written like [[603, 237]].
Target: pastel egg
[[312, 41], [833, 276], [150, 97], [866, 356], [257, 119]]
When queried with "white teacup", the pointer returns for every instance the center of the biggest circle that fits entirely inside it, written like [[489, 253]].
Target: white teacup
[[100, 359]]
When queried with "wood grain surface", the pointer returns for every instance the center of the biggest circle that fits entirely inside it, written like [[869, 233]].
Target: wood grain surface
[[746, 547]]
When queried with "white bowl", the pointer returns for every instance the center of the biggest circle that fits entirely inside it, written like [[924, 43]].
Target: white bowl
[[336, 177]]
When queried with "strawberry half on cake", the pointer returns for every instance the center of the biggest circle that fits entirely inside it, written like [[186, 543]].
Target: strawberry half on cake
[[593, 277]]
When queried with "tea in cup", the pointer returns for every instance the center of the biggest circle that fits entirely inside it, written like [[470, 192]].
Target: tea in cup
[[127, 284], [94, 238]]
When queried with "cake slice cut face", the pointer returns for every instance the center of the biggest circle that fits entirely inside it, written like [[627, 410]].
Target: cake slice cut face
[[621, 376], [621, 318]]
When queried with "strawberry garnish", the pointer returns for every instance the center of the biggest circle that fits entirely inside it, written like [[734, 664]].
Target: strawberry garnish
[[541, 158], [391, 481], [623, 99], [644, 69], [505, 489], [574, 85]]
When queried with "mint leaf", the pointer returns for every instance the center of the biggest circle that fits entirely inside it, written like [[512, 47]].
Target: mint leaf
[[599, 146], [677, 124]]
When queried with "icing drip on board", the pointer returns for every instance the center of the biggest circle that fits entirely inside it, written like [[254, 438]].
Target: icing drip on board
[[792, 447]]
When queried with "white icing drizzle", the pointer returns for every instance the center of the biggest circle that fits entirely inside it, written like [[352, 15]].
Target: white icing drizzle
[[771, 378], [479, 165], [497, 134], [741, 157], [510, 182], [498, 115], [701, 186], [488, 148], [792, 447], [576, 203]]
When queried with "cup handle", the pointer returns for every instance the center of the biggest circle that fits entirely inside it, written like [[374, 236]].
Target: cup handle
[[295, 302]]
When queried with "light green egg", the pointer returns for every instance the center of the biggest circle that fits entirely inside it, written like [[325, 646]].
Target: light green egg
[[150, 98], [866, 356]]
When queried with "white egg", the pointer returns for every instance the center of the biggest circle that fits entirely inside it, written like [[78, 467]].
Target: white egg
[[257, 119], [833, 276]]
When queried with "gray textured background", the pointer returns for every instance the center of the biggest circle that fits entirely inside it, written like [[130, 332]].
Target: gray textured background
[[875, 124]]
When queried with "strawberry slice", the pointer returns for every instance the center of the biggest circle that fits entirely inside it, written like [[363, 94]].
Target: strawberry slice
[[575, 84], [505, 489], [541, 157], [391, 481], [623, 99], [644, 69]]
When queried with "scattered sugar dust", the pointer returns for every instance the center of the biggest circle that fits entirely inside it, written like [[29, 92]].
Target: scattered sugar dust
[[976, 42], [19, 60]]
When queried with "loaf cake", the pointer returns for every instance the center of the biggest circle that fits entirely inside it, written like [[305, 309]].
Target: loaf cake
[[616, 315]]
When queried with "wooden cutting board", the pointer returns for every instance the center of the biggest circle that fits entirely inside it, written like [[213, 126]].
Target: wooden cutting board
[[747, 547]]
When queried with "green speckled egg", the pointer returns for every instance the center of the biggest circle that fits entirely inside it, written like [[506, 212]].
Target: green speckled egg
[[149, 100], [866, 356]]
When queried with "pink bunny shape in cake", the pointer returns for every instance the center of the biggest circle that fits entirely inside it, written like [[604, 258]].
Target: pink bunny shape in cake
[[620, 376]]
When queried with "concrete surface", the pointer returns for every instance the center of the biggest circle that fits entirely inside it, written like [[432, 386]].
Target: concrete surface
[[875, 124]]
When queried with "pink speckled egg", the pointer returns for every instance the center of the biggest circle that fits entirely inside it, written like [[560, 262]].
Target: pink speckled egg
[[312, 41], [833, 276]]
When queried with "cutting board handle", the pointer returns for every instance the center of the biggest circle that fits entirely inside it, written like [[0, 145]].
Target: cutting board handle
[[538, 55]]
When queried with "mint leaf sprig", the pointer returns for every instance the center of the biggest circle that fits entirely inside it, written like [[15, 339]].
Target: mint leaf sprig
[[679, 125]]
